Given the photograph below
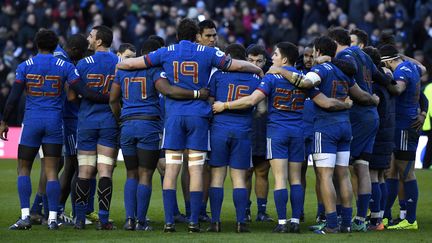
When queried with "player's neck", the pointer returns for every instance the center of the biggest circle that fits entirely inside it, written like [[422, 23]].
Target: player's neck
[[341, 48], [101, 49], [44, 52]]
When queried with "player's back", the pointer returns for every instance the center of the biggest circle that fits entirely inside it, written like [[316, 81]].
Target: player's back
[[407, 103], [70, 109], [334, 84], [44, 76], [363, 78], [139, 94], [285, 104], [229, 86], [188, 65], [98, 72]]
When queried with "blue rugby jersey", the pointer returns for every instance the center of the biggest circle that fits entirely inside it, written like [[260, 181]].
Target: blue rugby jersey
[[229, 86], [139, 94], [334, 84], [407, 103], [285, 105], [44, 76], [70, 109], [98, 72], [188, 65]]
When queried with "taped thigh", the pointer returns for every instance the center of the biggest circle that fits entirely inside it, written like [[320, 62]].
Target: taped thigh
[[174, 158], [343, 158], [85, 159], [197, 158], [324, 160]]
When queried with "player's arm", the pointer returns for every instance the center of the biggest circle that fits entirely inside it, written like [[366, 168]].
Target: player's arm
[[261, 108], [14, 96], [174, 92], [308, 81], [79, 87], [132, 63], [114, 100], [423, 102], [244, 66], [397, 88], [331, 104], [240, 104], [362, 97]]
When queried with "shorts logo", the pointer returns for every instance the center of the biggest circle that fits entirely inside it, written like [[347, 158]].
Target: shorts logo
[[163, 75]]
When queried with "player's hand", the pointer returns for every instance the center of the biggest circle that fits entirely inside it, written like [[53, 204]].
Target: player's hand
[[218, 107], [204, 93], [322, 59], [418, 123], [261, 74], [349, 103], [3, 130], [376, 99], [273, 70]]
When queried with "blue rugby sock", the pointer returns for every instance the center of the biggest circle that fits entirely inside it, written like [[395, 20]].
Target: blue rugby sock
[[332, 221], [339, 209], [130, 197], [103, 216], [281, 200], [37, 204], [346, 216], [392, 191], [203, 208], [195, 201], [143, 195], [188, 208], [375, 203], [24, 190], [411, 196], [90, 205], [169, 196], [384, 195], [45, 205], [53, 194], [240, 198], [262, 205], [216, 195], [362, 207], [296, 199]]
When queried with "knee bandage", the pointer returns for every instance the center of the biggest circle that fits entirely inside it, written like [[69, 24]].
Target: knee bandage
[[103, 159], [174, 158], [85, 159], [324, 160], [197, 158], [361, 162]]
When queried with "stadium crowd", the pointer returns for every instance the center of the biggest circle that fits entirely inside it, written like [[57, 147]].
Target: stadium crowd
[[265, 22]]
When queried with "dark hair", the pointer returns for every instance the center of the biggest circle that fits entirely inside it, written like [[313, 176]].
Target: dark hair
[[325, 45], [340, 35], [158, 39], [126, 46], [46, 40], [387, 39], [362, 36], [288, 50], [236, 51], [374, 54], [105, 34], [388, 52], [206, 24], [76, 46], [187, 30], [256, 50], [150, 45]]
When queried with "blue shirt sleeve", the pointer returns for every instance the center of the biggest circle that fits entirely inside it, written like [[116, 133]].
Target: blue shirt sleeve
[[399, 75], [157, 74], [266, 84], [350, 59], [20, 75], [218, 58], [117, 77], [72, 75], [154, 58]]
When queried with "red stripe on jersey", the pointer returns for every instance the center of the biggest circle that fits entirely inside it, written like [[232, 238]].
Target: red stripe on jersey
[[18, 81], [147, 61], [262, 91], [74, 81]]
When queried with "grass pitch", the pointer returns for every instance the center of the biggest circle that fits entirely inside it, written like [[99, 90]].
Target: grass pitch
[[261, 232]]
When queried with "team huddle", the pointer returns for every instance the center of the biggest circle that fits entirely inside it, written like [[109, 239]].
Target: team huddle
[[194, 110]]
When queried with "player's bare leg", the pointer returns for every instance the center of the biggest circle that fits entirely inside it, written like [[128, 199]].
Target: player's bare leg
[[361, 169], [40, 201], [295, 179], [249, 175], [346, 195], [280, 172], [320, 216], [66, 178], [328, 194]]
